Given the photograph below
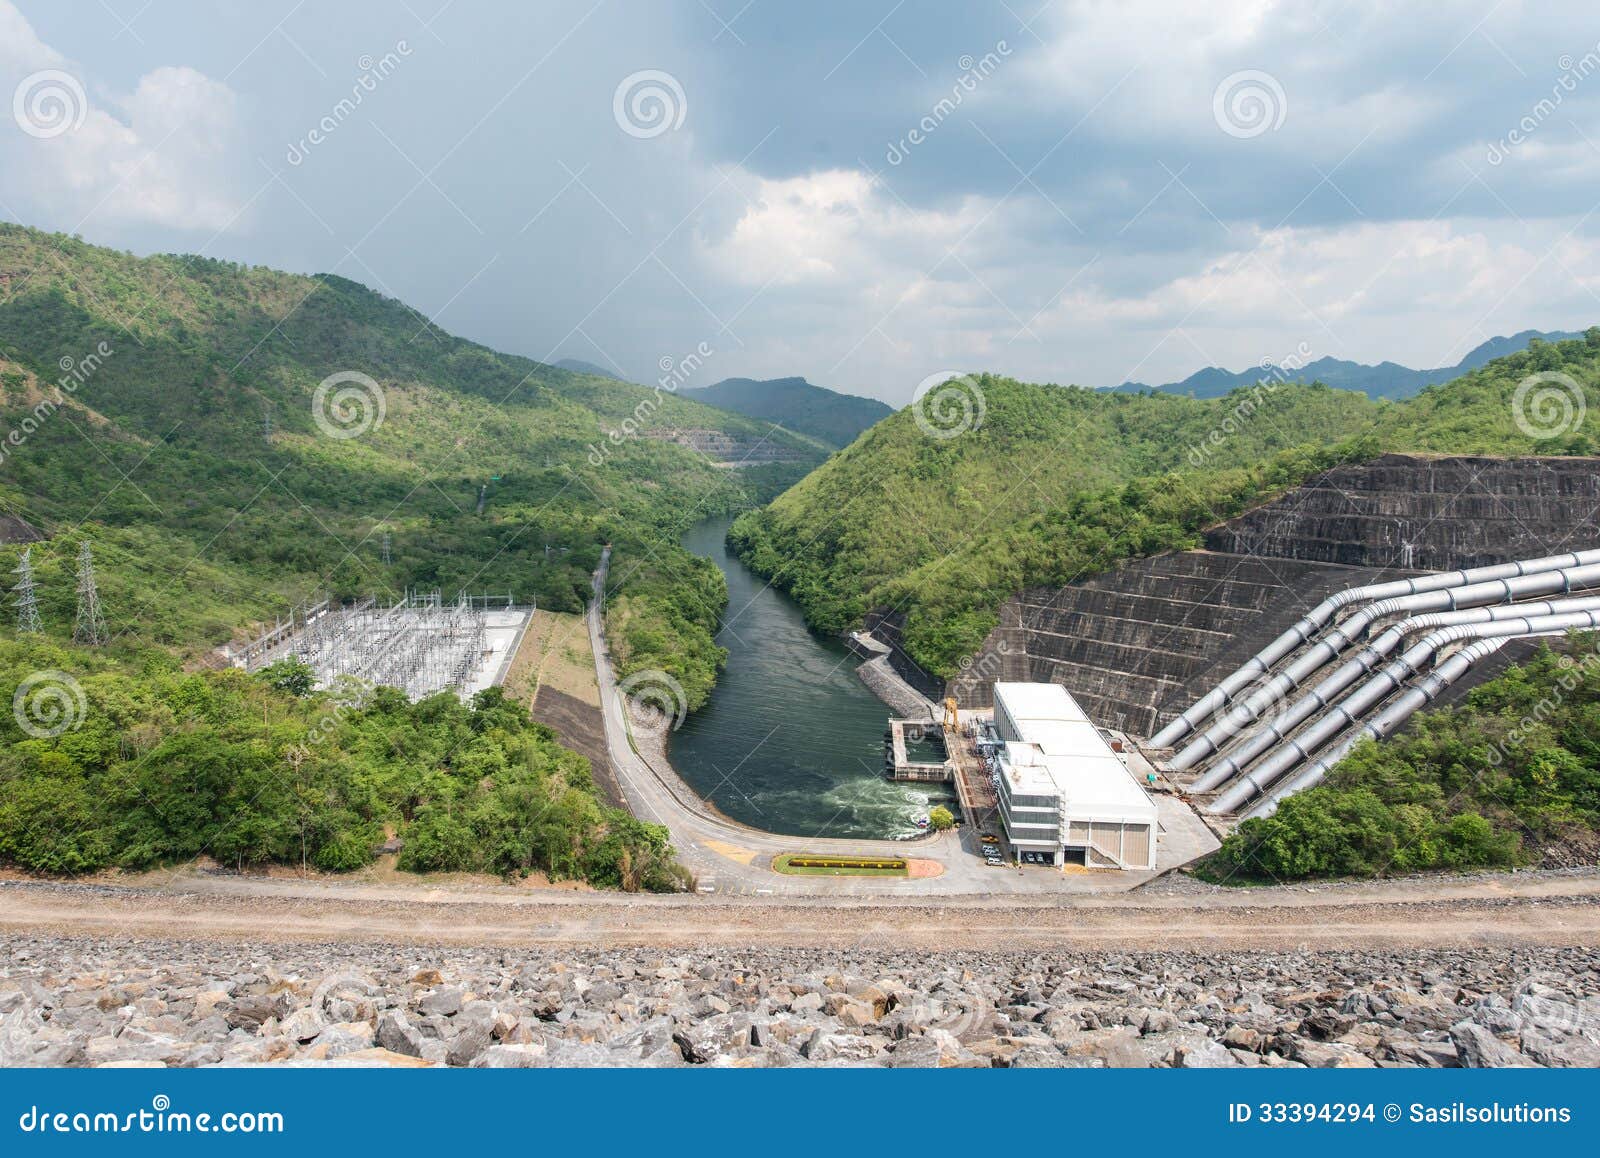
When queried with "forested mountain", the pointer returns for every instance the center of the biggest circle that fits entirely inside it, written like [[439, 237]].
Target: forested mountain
[[232, 440], [833, 418], [1039, 485], [217, 487], [1384, 380]]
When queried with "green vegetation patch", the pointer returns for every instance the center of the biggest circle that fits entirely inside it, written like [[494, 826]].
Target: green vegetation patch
[[132, 763]]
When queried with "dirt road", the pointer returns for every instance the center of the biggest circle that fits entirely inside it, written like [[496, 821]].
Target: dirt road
[[1561, 911]]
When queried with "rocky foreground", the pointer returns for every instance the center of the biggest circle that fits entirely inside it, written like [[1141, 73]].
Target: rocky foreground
[[73, 1002]]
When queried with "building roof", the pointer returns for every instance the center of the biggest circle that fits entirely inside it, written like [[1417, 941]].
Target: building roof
[[1038, 702], [1029, 770], [1062, 754]]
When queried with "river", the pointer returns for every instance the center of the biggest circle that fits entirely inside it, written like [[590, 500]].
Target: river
[[791, 740]]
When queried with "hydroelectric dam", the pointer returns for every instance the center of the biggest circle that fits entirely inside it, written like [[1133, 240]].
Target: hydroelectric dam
[[1249, 666]]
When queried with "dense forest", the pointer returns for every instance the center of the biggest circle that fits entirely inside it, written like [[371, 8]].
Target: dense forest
[[1509, 776], [1054, 483], [164, 765]]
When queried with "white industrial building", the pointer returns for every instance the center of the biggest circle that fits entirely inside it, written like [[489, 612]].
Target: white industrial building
[[1064, 794]]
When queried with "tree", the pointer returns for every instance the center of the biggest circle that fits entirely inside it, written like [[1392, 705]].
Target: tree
[[940, 819], [292, 675]]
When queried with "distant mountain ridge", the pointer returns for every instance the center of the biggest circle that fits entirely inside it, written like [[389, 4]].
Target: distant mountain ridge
[[1384, 380], [579, 366], [797, 405]]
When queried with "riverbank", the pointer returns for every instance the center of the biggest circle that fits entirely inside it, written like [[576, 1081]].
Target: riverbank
[[902, 700]]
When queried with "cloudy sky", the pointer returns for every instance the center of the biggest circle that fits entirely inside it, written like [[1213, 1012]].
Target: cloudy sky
[[863, 192]]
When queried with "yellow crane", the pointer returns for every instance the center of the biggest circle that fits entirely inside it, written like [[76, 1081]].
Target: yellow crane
[[952, 717]]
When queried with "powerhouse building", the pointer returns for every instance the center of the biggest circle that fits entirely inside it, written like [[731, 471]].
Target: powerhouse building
[[1064, 794]]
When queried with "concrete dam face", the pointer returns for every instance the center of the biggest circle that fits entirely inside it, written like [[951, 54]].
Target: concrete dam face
[[1138, 644]]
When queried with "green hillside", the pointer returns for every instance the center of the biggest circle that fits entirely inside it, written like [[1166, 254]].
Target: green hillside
[[834, 419], [191, 453], [1060, 482], [166, 410]]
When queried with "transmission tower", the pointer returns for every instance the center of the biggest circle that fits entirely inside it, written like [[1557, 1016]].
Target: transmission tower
[[28, 622], [91, 626], [386, 544]]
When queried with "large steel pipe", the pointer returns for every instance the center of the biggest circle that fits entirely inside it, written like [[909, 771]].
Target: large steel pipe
[[1358, 703], [1425, 691], [1501, 591], [1305, 628], [1359, 665]]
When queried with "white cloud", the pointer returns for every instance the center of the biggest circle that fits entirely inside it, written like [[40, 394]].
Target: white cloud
[[169, 153], [838, 226], [893, 292]]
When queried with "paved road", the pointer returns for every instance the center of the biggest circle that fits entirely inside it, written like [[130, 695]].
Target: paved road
[[730, 858]]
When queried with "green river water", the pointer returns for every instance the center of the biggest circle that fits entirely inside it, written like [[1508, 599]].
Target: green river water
[[792, 740]]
